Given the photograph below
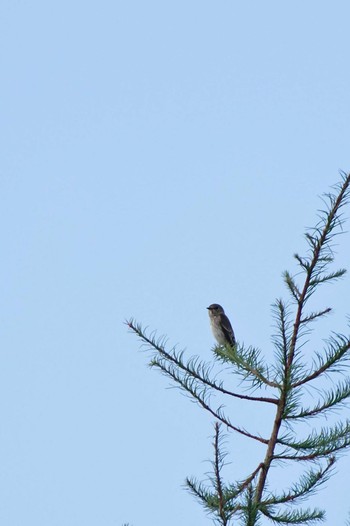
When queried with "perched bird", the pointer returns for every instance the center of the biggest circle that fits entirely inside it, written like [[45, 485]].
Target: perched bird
[[220, 325]]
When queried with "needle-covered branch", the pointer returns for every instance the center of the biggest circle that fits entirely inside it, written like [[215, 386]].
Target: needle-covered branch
[[321, 443], [194, 367], [334, 359], [314, 315], [294, 516], [248, 364], [331, 400], [281, 339], [320, 240], [218, 464], [292, 286], [220, 500], [308, 483]]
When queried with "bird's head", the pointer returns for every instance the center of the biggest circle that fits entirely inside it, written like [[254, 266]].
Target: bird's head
[[215, 309]]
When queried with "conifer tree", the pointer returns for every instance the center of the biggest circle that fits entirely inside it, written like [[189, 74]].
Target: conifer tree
[[284, 384]]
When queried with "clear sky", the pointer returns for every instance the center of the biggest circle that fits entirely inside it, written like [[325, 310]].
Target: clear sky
[[156, 157]]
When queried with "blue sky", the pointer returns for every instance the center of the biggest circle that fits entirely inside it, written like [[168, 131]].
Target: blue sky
[[156, 157]]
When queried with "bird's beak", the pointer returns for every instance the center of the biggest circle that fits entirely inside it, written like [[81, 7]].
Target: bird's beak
[[208, 308]]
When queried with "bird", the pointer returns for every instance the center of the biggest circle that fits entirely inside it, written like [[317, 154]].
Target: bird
[[220, 325]]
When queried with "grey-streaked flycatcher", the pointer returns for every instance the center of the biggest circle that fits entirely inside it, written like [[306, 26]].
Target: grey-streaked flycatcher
[[220, 325]]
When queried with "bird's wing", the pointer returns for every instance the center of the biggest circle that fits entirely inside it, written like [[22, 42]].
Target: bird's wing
[[227, 329]]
